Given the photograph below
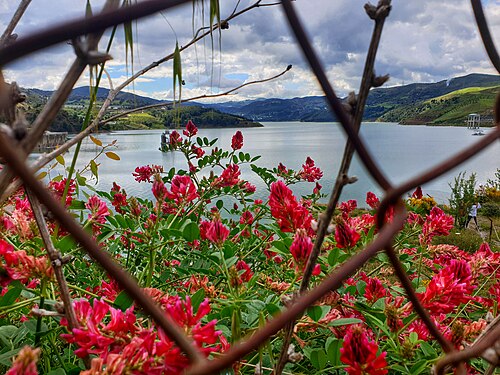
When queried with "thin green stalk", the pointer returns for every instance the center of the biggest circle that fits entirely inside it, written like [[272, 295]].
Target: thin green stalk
[[85, 124], [43, 286], [4, 310]]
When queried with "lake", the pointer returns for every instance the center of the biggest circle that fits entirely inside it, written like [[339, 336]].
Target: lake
[[401, 151]]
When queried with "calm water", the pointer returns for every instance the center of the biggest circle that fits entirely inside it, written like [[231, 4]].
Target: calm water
[[401, 151]]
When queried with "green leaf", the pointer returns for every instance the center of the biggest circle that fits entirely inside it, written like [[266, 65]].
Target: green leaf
[[428, 350], [418, 367], [65, 244], [123, 301], [88, 9], [317, 312], [219, 204], [60, 159], [344, 322], [318, 358], [58, 371], [333, 256], [332, 347], [191, 232], [93, 168], [197, 299], [177, 64], [10, 297]]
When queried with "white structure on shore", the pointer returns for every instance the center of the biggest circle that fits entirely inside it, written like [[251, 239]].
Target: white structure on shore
[[474, 121]]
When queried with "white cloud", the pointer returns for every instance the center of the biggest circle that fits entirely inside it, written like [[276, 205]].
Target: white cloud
[[422, 41]]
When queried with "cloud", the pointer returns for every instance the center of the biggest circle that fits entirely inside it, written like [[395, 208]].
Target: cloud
[[422, 41]]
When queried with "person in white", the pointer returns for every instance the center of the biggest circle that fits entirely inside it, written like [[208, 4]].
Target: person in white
[[473, 214]]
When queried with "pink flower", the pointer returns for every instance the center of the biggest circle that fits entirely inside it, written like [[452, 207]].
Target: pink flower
[[25, 362], [146, 172], [374, 289], [309, 171], [345, 236], [300, 249], [58, 189], [175, 138], [289, 214], [359, 353], [159, 190], [191, 129], [230, 176], [198, 151], [317, 188], [246, 218], [21, 266], [437, 223], [282, 170], [249, 188], [98, 209], [216, 232], [372, 200], [451, 286], [183, 190], [247, 273], [347, 207], [237, 141]]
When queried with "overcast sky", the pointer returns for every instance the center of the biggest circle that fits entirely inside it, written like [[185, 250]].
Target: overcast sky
[[423, 41]]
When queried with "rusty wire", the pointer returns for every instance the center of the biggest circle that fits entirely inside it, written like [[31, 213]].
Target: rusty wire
[[383, 242]]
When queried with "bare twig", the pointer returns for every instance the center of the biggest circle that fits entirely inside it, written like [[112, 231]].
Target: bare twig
[[482, 25], [6, 36], [200, 97], [50, 110], [342, 178], [56, 260]]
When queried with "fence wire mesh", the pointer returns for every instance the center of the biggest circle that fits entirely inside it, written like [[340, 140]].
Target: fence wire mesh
[[350, 118]]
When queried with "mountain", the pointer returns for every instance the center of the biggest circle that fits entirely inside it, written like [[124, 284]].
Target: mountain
[[71, 117], [383, 103]]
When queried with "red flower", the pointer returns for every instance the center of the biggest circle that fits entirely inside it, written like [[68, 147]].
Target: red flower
[[246, 218], [230, 176], [175, 138], [237, 141], [282, 170], [216, 232], [146, 172], [25, 362], [198, 151], [417, 193], [289, 214], [317, 188], [372, 200], [309, 171], [300, 249], [247, 273], [183, 189], [345, 236], [58, 189], [374, 289], [450, 287], [437, 223], [347, 207], [360, 354], [191, 129], [159, 190], [98, 209]]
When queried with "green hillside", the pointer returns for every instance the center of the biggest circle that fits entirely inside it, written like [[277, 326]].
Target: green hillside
[[448, 109]]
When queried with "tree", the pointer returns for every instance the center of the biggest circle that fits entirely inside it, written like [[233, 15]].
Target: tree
[[462, 197]]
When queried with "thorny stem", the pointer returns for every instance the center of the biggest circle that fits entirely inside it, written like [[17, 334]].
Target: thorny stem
[[342, 179], [56, 260]]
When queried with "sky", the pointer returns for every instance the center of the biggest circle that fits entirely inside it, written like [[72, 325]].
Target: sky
[[422, 41]]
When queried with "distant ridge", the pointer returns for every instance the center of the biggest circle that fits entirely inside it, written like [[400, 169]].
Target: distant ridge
[[415, 103]]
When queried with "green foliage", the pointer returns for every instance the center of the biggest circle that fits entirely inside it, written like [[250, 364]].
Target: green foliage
[[467, 240], [462, 197]]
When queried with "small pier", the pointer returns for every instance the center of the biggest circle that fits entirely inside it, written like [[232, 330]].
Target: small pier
[[474, 121], [50, 141]]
